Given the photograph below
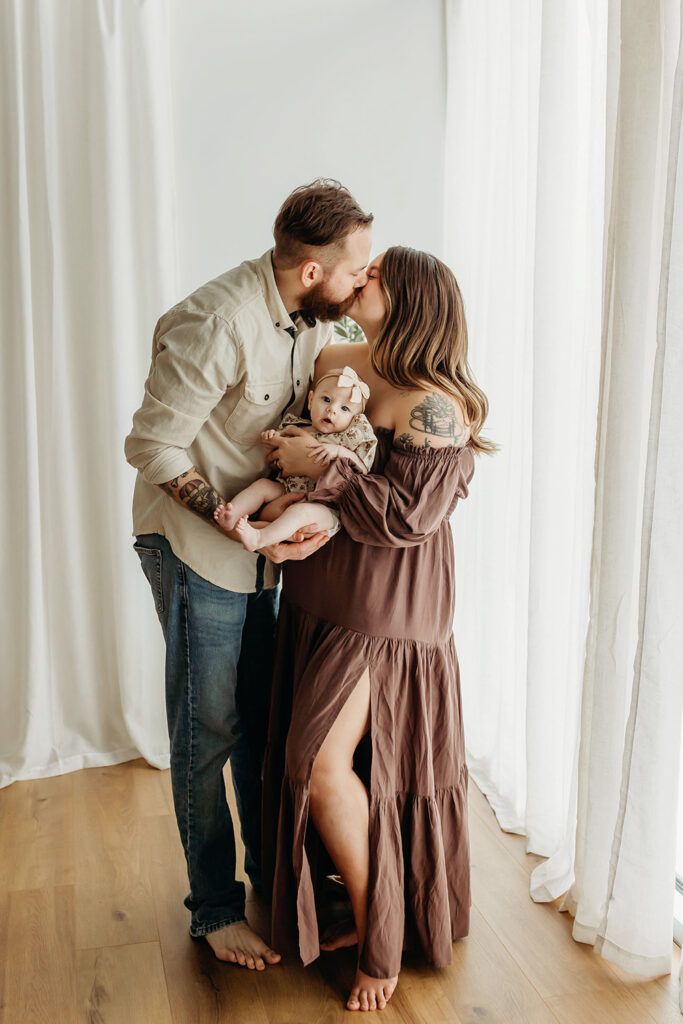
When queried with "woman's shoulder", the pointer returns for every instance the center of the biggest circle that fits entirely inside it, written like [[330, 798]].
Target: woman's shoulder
[[429, 418], [340, 354]]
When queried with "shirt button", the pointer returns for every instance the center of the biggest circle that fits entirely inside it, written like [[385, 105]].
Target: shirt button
[[277, 324], [266, 397], [298, 382]]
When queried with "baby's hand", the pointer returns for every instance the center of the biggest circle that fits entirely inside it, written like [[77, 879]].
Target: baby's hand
[[268, 435], [324, 453]]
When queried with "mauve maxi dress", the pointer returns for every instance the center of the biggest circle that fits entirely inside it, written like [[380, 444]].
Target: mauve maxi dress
[[379, 595]]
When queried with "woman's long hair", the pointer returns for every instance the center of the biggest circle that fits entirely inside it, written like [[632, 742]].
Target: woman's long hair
[[423, 341]]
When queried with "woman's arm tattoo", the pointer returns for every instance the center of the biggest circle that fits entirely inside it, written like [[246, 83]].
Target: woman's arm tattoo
[[436, 415]]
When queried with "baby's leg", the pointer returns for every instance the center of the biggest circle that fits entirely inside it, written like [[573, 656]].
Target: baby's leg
[[274, 509], [247, 501], [304, 513]]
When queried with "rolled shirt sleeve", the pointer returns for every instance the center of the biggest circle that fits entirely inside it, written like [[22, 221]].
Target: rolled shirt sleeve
[[193, 365]]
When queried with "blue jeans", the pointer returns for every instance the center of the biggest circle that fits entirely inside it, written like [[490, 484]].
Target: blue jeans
[[219, 662]]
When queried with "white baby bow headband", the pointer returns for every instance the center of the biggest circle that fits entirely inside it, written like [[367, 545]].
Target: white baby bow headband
[[348, 378]]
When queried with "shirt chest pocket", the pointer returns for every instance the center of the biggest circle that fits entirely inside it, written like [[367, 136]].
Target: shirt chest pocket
[[260, 408]]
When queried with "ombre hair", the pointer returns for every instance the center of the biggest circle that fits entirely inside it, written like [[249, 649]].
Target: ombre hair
[[423, 340]]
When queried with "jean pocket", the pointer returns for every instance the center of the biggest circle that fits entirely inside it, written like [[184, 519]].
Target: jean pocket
[[150, 560]]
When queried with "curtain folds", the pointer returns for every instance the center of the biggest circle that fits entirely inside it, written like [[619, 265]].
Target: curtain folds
[[524, 201], [571, 540], [622, 898], [88, 259]]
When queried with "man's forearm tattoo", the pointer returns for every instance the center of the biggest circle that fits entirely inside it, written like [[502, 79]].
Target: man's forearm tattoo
[[195, 493], [174, 484], [200, 497]]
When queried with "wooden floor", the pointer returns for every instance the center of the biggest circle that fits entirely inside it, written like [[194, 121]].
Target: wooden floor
[[93, 929]]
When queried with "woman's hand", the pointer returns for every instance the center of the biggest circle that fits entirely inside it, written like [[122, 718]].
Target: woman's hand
[[291, 453]]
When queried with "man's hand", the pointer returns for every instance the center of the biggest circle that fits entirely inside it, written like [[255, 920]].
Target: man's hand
[[287, 552]]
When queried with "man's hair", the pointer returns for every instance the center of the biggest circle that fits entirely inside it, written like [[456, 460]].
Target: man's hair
[[314, 222]]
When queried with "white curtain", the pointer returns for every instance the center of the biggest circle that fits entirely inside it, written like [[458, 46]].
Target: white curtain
[[524, 201], [88, 260], [565, 230]]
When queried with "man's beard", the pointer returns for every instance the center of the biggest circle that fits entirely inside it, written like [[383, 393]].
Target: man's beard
[[316, 304]]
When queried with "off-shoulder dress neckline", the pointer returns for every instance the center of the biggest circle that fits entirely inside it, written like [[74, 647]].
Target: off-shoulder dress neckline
[[408, 448]]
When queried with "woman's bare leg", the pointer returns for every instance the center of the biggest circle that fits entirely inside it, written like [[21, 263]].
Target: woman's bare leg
[[294, 518], [339, 808], [247, 502]]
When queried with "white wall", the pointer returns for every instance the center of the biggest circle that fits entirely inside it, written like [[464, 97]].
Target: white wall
[[268, 95]]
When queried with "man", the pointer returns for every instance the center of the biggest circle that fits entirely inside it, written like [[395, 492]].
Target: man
[[227, 363]]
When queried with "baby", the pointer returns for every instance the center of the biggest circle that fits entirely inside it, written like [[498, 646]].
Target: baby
[[336, 405]]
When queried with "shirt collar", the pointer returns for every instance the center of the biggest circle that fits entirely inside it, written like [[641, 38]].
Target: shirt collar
[[274, 303]]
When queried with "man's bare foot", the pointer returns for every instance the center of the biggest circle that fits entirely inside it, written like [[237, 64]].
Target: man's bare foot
[[226, 517], [250, 537], [370, 993], [237, 944], [338, 935]]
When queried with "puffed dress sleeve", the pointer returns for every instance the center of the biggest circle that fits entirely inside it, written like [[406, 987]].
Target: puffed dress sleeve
[[404, 505]]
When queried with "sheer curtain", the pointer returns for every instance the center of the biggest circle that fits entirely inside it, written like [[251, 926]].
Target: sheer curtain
[[564, 229], [88, 259]]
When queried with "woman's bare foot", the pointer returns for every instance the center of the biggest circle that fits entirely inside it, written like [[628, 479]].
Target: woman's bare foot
[[370, 993], [338, 935], [237, 944], [251, 538], [226, 517]]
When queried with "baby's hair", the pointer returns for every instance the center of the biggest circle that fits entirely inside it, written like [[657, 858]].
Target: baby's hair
[[336, 374]]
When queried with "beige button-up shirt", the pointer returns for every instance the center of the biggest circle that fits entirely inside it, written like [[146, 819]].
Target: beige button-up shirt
[[224, 368]]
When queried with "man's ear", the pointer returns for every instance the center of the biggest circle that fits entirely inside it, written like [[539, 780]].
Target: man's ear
[[310, 273]]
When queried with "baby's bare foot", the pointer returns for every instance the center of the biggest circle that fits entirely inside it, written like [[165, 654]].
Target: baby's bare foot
[[238, 944], [251, 538], [339, 935], [370, 993], [226, 517]]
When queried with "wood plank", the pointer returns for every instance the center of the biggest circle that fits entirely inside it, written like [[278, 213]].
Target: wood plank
[[657, 996], [39, 971], [519, 963], [611, 1005], [200, 988], [536, 935], [485, 982], [514, 845], [659, 1003], [113, 893], [37, 834], [151, 788], [122, 985]]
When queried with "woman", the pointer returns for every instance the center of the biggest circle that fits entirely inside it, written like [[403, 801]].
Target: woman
[[365, 647]]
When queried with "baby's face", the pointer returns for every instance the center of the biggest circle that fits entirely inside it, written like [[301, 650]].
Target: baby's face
[[331, 407]]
